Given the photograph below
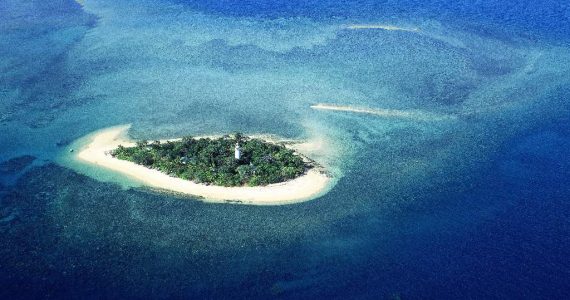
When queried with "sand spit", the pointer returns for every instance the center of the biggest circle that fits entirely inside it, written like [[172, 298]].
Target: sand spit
[[416, 115], [382, 27], [95, 148]]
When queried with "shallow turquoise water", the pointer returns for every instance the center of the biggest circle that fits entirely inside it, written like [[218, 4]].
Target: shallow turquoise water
[[473, 206]]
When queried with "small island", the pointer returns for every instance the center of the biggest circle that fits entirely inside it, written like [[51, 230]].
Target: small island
[[225, 161], [258, 170]]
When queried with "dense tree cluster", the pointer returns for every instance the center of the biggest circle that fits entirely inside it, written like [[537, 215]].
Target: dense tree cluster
[[212, 161]]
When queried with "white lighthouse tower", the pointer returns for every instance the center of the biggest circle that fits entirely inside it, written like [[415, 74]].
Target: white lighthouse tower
[[237, 152]]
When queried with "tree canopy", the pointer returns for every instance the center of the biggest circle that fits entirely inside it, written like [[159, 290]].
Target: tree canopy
[[211, 161]]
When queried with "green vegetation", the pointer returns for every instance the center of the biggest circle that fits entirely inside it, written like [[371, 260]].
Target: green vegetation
[[212, 161]]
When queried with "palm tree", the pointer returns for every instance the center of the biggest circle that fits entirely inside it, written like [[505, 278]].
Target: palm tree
[[238, 136]]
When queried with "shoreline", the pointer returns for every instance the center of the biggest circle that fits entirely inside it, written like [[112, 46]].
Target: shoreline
[[94, 149]]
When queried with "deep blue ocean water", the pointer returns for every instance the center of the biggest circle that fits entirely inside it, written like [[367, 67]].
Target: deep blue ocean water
[[469, 207]]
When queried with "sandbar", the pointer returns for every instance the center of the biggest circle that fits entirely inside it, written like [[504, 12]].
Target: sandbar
[[416, 115], [381, 26], [95, 151]]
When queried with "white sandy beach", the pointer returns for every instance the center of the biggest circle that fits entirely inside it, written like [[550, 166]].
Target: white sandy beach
[[314, 183]]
